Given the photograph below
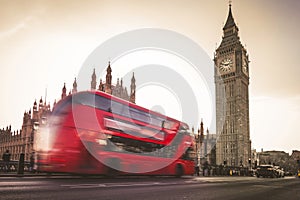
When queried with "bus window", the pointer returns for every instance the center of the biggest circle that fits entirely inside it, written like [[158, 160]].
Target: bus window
[[133, 129], [92, 100], [189, 154], [169, 124], [127, 145], [62, 108], [139, 115], [118, 108]]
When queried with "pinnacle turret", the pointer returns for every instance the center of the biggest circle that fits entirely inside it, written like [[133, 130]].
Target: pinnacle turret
[[64, 91], [93, 82], [74, 90]]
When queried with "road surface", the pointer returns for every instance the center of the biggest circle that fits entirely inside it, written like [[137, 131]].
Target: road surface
[[76, 187]]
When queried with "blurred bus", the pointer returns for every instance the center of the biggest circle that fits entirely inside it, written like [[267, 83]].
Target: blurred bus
[[93, 132]]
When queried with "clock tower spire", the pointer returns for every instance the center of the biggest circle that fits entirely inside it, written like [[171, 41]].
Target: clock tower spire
[[230, 21], [232, 100]]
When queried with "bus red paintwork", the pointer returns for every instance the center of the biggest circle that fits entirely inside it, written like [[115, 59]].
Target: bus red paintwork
[[93, 132]]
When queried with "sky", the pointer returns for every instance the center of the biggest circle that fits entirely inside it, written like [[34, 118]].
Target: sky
[[43, 44]]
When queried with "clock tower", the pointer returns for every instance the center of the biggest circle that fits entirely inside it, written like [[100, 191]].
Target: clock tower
[[231, 63]]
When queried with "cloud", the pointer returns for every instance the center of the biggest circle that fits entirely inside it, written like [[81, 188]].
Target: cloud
[[17, 28]]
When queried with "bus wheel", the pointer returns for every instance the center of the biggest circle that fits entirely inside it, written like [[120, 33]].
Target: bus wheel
[[112, 168], [179, 170]]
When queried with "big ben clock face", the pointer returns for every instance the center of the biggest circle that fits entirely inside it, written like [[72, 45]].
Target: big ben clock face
[[226, 65]]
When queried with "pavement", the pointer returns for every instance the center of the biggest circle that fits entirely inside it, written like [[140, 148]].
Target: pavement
[[64, 175], [30, 174], [25, 174]]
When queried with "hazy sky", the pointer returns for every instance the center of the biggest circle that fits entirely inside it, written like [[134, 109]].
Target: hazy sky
[[44, 43]]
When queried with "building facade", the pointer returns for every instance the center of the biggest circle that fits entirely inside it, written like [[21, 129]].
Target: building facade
[[231, 63], [117, 90], [11, 141], [205, 146], [22, 141], [272, 157], [296, 156], [208, 148]]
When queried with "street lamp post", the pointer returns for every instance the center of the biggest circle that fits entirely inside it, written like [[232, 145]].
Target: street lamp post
[[249, 161]]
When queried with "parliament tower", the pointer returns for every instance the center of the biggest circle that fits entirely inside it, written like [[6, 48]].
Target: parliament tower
[[231, 63]]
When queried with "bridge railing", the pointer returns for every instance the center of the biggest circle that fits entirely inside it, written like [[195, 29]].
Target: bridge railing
[[12, 166]]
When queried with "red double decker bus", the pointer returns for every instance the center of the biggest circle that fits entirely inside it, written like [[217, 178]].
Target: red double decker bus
[[93, 132]]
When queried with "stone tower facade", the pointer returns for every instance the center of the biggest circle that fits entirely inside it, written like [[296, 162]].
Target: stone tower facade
[[231, 63]]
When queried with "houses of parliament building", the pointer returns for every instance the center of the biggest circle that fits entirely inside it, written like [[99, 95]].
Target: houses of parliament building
[[22, 141]]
